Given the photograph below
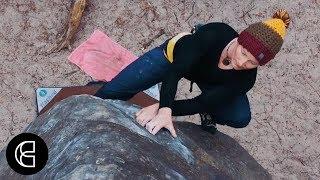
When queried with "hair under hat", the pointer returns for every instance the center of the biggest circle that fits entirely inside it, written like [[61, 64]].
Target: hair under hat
[[264, 39]]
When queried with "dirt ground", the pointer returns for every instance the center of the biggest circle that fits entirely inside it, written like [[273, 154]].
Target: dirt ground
[[283, 135]]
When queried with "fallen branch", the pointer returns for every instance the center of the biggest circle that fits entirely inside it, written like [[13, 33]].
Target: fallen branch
[[74, 22]]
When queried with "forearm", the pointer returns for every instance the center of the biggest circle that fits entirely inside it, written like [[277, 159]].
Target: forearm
[[168, 91], [205, 102], [187, 107]]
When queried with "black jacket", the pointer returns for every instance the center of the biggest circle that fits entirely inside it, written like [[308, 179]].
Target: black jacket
[[196, 58]]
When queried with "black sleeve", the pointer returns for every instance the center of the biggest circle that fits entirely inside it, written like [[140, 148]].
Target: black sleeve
[[188, 51], [207, 101]]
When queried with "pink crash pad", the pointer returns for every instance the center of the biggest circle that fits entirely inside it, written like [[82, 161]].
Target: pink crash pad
[[100, 57]]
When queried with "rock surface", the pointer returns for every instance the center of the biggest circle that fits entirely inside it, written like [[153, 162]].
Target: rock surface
[[90, 138]]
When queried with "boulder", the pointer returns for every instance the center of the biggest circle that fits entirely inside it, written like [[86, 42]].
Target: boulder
[[91, 138]]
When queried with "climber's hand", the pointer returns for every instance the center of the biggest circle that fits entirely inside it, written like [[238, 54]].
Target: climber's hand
[[146, 114], [162, 119]]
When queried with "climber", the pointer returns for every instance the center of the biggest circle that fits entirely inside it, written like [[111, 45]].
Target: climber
[[220, 61]]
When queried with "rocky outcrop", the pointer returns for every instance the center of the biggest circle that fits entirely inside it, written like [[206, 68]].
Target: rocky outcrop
[[91, 138]]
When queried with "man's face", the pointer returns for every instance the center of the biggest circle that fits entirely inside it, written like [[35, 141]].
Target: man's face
[[242, 59]]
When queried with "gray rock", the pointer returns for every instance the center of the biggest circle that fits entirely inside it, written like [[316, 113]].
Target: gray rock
[[91, 138]]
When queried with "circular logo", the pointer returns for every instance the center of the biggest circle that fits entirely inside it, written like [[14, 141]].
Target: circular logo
[[27, 153], [42, 92]]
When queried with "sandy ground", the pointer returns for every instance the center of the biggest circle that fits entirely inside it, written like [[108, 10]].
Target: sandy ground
[[284, 132]]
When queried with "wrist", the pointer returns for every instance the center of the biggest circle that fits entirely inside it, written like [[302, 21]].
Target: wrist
[[166, 110]]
